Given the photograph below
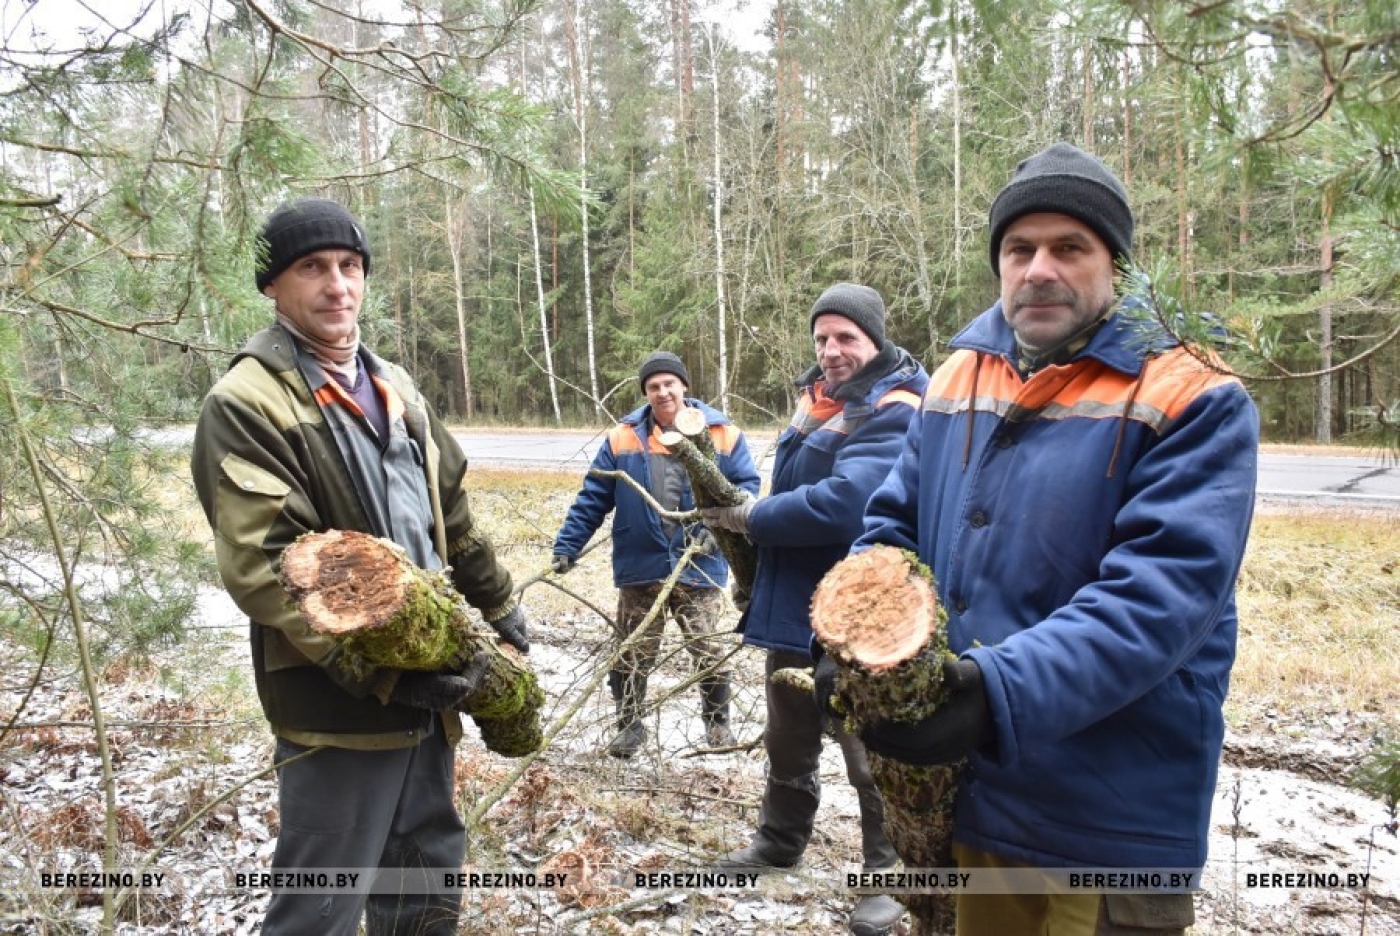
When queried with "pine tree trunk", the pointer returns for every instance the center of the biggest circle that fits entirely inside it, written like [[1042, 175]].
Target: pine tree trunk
[[689, 441], [369, 596], [876, 615]]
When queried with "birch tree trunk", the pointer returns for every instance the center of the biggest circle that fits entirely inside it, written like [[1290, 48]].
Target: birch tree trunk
[[544, 314], [578, 66], [455, 222], [721, 312], [539, 277]]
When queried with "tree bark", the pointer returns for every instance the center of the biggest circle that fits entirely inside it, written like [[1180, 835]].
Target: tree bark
[[876, 615], [367, 594], [689, 441]]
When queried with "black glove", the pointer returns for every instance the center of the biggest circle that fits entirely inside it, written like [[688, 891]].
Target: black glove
[[438, 692], [562, 563], [705, 541], [960, 726], [824, 678], [512, 629], [350, 671]]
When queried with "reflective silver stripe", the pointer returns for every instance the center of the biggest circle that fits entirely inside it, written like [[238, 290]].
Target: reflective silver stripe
[[1142, 412]]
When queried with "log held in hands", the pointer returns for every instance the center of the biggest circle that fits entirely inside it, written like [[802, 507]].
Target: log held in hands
[[369, 596], [689, 441], [876, 615]]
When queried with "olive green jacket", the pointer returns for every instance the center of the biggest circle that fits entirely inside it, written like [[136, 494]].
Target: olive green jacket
[[267, 469]]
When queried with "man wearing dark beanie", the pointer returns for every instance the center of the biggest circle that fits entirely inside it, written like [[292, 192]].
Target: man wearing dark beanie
[[647, 548], [310, 431], [854, 408], [1082, 487]]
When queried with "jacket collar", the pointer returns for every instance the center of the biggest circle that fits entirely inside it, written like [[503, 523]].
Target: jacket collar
[[1123, 342], [275, 349], [890, 361]]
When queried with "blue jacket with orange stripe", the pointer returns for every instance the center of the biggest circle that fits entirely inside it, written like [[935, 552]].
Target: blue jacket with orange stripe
[[1085, 526], [836, 451], [642, 552]]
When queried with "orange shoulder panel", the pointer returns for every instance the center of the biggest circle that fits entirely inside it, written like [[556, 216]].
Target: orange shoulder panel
[[623, 439], [725, 437], [1168, 384], [907, 397]]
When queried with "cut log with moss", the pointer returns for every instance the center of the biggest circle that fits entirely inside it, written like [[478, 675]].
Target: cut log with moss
[[876, 615], [689, 441], [370, 597]]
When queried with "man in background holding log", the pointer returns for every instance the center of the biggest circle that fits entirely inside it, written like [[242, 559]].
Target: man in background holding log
[[647, 547], [1082, 486], [855, 406], [309, 431]]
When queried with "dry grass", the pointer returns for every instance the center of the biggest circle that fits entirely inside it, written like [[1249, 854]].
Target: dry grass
[[1319, 600]]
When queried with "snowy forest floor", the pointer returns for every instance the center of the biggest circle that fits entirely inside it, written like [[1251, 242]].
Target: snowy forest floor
[[185, 732]]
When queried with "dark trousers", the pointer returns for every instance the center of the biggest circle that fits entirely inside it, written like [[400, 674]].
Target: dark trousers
[[363, 810], [793, 742]]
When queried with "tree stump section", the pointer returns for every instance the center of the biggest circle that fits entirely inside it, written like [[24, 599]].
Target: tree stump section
[[369, 596], [689, 441], [876, 615]]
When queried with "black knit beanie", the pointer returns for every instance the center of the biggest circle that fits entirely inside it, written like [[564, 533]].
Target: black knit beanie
[[305, 226], [860, 304], [663, 362], [1065, 180]]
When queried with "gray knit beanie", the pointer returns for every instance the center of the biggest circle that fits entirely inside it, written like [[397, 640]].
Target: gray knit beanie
[[1065, 180], [305, 226], [663, 362], [860, 304]]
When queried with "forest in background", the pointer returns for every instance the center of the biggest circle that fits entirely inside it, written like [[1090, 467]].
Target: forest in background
[[554, 188]]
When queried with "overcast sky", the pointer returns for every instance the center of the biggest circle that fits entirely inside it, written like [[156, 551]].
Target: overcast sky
[[61, 23]]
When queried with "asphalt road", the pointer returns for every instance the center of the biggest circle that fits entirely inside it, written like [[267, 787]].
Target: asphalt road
[[1336, 478]]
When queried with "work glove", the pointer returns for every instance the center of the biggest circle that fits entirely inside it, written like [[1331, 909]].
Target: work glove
[[512, 629], [962, 724], [705, 541], [562, 563], [734, 519], [438, 692], [824, 682], [350, 671]]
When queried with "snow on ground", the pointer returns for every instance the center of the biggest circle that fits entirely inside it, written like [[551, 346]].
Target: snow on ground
[[186, 733]]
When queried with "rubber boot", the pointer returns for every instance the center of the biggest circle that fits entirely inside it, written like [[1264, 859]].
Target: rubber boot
[[714, 711], [875, 914], [629, 692], [784, 827]]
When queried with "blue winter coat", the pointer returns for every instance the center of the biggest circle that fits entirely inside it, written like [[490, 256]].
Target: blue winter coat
[[642, 552], [1085, 526], [829, 460]]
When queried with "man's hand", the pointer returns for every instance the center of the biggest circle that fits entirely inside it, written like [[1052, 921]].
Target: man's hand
[[512, 629], [735, 519], [705, 541], [350, 671], [562, 563], [824, 682], [960, 726], [438, 692]]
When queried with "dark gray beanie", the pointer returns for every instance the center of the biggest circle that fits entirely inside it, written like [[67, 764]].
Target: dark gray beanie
[[1066, 180], [860, 304], [663, 362], [305, 226]]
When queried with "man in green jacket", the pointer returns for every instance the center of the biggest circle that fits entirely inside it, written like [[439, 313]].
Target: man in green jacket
[[310, 431]]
